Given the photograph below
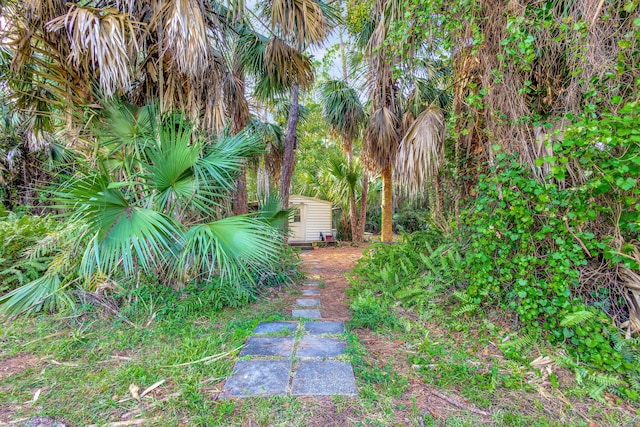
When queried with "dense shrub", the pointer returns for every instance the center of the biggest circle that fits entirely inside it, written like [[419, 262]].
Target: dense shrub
[[412, 271], [408, 219], [555, 252], [534, 243], [18, 234]]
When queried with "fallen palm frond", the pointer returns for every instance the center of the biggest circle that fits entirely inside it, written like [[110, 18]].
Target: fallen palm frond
[[207, 359]]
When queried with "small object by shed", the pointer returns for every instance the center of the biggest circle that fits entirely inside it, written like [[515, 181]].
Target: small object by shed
[[311, 219]]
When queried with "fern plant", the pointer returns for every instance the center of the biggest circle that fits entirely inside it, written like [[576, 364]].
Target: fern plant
[[576, 318], [467, 305]]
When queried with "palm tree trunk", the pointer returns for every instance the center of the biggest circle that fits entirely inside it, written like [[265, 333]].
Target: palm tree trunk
[[240, 202], [387, 204], [289, 147], [354, 217], [439, 196], [363, 206], [239, 121]]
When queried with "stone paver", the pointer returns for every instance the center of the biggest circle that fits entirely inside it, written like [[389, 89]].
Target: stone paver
[[309, 314], [268, 346], [307, 302], [258, 378], [310, 346], [323, 378], [319, 328], [288, 328], [316, 372]]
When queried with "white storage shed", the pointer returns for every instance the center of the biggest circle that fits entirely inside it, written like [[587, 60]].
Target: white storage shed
[[310, 218]]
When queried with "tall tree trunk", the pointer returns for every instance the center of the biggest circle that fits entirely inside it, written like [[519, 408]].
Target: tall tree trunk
[[289, 146], [354, 217], [439, 196], [363, 205], [239, 121], [240, 202], [387, 204]]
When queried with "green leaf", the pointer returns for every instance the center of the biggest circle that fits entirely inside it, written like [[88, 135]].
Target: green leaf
[[626, 183], [230, 247], [576, 318]]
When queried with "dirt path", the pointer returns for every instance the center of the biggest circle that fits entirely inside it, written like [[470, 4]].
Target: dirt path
[[330, 265]]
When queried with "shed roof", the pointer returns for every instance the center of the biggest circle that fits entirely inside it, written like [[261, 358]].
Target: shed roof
[[311, 199]]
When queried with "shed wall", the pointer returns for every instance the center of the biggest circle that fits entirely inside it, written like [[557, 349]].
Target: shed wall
[[317, 217]]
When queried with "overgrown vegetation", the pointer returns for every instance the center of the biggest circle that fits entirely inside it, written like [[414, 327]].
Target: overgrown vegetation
[[513, 126], [537, 176], [18, 235], [150, 205]]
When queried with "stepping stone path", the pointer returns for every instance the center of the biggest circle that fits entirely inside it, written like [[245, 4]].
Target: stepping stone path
[[300, 358], [307, 302]]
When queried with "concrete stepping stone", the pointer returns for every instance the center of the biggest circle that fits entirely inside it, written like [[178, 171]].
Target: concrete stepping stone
[[257, 378], [323, 378], [309, 314], [310, 292], [276, 327], [307, 302], [319, 267], [311, 346], [312, 284], [319, 328], [268, 346]]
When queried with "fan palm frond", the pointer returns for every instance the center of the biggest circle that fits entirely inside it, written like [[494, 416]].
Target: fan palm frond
[[186, 35], [300, 20], [342, 110], [102, 42], [230, 247], [122, 234], [287, 65], [44, 293], [421, 151], [381, 139]]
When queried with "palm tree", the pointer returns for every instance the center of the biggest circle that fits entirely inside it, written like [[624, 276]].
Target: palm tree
[[280, 65], [421, 152], [66, 58], [344, 113], [406, 106], [382, 135], [152, 205]]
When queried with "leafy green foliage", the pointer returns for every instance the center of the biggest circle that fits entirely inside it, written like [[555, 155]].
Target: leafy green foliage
[[371, 312], [530, 239], [44, 255], [17, 235], [409, 219], [152, 206], [414, 272]]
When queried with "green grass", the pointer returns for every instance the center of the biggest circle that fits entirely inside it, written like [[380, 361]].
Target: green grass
[[84, 364], [474, 359]]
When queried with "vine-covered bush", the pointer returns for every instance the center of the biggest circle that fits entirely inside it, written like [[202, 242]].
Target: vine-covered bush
[[534, 245]]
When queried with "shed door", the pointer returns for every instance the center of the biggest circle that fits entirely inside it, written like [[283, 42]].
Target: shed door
[[297, 223]]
